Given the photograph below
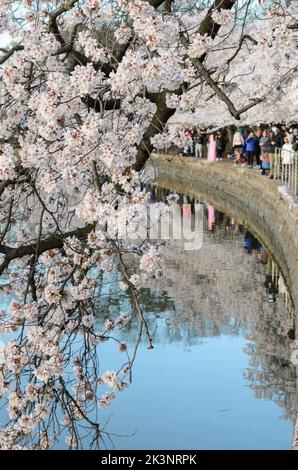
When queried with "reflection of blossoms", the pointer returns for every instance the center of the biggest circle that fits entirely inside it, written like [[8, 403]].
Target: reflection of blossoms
[[150, 260], [243, 309], [265, 40], [271, 374], [283, 34], [276, 10], [136, 280]]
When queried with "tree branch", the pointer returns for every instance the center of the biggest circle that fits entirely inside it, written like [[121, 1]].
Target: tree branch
[[51, 243], [53, 27], [208, 26], [213, 85], [161, 116], [9, 53], [242, 39], [155, 3], [100, 105]]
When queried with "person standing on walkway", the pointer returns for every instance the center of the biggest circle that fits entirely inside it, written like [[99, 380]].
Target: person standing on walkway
[[188, 149], [238, 141], [250, 148], [276, 142], [295, 144], [258, 135], [287, 157], [212, 148], [265, 145], [198, 144], [289, 135], [219, 145]]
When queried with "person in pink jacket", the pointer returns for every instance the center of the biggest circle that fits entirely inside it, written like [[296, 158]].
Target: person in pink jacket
[[212, 148]]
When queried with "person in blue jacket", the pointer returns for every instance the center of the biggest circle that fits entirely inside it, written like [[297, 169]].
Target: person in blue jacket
[[251, 143], [250, 243]]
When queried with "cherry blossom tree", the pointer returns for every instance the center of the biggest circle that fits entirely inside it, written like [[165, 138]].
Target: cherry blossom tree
[[87, 89]]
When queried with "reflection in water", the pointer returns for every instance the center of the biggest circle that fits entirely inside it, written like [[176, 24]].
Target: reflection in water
[[222, 291], [231, 287], [211, 217]]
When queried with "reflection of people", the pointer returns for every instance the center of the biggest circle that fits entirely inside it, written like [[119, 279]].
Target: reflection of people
[[211, 217], [250, 243], [153, 192], [271, 291], [269, 284], [186, 207], [264, 255]]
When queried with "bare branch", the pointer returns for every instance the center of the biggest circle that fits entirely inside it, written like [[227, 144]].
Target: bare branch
[[51, 243], [242, 39], [53, 27], [100, 105], [160, 118]]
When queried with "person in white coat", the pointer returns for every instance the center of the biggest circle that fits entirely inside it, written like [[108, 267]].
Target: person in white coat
[[238, 140], [287, 157]]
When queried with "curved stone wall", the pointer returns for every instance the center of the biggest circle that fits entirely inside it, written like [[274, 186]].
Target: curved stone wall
[[245, 195]]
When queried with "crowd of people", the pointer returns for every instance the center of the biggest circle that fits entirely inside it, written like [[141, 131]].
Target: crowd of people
[[250, 147]]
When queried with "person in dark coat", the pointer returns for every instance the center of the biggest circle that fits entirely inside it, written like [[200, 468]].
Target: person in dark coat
[[276, 142], [219, 145], [295, 144], [271, 290], [257, 150]]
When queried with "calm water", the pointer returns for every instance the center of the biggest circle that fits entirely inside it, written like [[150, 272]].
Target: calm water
[[219, 376]]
